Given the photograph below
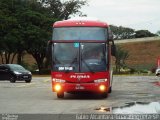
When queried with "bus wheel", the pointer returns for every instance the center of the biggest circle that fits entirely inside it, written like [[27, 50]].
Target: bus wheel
[[104, 95], [60, 94], [110, 90]]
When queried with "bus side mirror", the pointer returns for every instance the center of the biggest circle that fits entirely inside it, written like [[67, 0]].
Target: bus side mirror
[[110, 37], [113, 50]]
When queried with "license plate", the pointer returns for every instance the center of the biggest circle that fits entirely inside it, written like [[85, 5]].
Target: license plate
[[79, 87], [25, 76]]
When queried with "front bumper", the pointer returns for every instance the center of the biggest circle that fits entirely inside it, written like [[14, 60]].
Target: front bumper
[[23, 77], [82, 87]]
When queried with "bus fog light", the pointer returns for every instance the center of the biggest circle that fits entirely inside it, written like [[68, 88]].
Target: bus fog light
[[57, 87], [102, 88]]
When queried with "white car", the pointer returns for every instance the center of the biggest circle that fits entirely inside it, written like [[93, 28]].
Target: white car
[[158, 72]]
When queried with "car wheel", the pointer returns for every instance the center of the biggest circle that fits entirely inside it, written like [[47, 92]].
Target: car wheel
[[104, 95], [27, 81], [60, 95], [12, 79]]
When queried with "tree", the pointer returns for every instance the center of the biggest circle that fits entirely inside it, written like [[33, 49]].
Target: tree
[[122, 32], [144, 33], [38, 32], [62, 10], [158, 33], [10, 33], [121, 56], [26, 25]]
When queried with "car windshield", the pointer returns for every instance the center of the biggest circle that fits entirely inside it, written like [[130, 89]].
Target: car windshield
[[79, 33], [79, 57], [17, 68]]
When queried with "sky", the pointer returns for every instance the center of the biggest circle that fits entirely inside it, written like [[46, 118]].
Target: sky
[[135, 14]]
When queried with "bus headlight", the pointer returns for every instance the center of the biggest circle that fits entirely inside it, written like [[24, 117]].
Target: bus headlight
[[100, 80], [58, 80], [57, 87], [102, 88]]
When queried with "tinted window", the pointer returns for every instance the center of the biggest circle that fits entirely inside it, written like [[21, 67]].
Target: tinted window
[[16, 68], [80, 57], [80, 33], [93, 57], [3, 67], [65, 57]]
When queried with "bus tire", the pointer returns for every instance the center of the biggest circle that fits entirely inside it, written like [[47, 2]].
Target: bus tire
[[60, 94], [104, 95], [110, 89]]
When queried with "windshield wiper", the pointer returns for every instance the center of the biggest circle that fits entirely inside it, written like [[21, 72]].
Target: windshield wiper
[[70, 65]]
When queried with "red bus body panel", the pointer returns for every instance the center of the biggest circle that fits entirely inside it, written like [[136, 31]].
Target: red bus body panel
[[158, 62], [85, 81], [74, 23]]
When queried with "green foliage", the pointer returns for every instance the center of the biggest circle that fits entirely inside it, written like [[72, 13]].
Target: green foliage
[[122, 32], [26, 26], [129, 33], [144, 33], [63, 9], [158, 33], [121, 56], [25, 65]]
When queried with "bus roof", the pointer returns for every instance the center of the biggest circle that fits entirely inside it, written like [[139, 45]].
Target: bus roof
[[80, 22]]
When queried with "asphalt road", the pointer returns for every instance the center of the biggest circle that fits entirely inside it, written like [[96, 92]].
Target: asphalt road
[[37, 98]]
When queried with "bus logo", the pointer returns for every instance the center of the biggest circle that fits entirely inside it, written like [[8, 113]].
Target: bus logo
[[80, 76]]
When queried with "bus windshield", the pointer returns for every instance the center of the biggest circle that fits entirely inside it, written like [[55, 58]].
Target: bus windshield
[[79, 33], [65, 57], [79, 57], [93, 57]]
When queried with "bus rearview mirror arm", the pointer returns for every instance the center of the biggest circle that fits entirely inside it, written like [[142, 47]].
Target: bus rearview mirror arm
[[113, 48]]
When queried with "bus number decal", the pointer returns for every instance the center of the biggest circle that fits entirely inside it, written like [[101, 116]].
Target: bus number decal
[[65, 68]]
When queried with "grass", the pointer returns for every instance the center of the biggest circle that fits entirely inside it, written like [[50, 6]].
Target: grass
[[142, 55]]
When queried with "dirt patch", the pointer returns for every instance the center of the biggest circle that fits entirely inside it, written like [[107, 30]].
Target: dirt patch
[[142, 53]]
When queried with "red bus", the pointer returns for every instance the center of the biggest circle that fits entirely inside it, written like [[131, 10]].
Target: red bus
[[81, 57], [158, 62]]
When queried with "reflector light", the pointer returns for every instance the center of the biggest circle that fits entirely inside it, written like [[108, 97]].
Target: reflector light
[[100, 80], [58, 80]]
